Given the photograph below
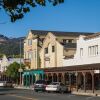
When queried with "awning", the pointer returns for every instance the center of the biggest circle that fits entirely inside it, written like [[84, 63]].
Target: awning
[[31, 72]]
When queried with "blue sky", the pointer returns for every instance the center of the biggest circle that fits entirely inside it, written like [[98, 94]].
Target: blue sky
[[71, 16]]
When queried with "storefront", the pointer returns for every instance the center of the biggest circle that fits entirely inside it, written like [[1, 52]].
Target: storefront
[[30, 76], [80, 77]]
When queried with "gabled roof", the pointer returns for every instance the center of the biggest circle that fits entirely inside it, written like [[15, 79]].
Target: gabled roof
[[59, 33], [92, 36], [39, 32]]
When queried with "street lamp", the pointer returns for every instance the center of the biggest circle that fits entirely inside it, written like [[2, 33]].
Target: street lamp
[[20, 69]]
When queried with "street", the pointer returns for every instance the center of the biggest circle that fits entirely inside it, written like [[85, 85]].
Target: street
[[18, 94]]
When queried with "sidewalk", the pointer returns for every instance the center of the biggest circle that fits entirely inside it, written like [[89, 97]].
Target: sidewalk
[[23, 87], [80, 92], [88, 93]]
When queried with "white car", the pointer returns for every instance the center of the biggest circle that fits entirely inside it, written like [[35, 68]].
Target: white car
[[2, 83], [6, 84], [57, 87]]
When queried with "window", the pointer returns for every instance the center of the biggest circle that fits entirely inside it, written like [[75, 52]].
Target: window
[[29, 42], [93, 50], [81, 51], [89, 50], [67, 40], [53, 48], [64, 40], [30, 55], [70, 41], [46, 50], [96, 50]]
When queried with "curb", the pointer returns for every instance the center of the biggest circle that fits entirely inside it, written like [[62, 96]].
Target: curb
[[23, 88], [86, 94]]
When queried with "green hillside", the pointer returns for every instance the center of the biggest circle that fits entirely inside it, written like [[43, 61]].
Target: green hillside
[[11, 47]]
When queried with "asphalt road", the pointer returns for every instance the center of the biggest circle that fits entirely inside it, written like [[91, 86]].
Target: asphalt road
[[15, 94]]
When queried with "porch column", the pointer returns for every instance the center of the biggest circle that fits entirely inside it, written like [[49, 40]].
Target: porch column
[[70, 80], [29, 79], [92, 73], [84, 77], [76, 74], [32, 79], [26, 80], [52, 77], [63, 78], [47, 76], [57, 77]]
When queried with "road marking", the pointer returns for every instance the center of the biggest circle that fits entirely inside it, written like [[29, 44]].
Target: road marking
[[89, 98], [70, 96], [23, 97]]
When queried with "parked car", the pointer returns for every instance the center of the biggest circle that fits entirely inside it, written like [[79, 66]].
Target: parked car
[[2, 83], [9, 84], [6, 84], [56, 87], [40, 85]]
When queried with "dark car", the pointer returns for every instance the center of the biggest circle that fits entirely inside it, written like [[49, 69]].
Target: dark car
[[40, 85], [9, 84], [6, 84]]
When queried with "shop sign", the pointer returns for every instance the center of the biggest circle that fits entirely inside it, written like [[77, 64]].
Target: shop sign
[[47, 59], [20, 70]]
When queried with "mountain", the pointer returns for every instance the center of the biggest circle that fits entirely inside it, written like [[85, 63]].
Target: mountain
[[3, 39], [11, 46]]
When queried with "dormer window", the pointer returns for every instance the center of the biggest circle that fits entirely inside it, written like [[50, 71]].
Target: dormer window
[[53, 48], [64, 41], [81, 52], [46, 50], [70, 41], [67, 41]]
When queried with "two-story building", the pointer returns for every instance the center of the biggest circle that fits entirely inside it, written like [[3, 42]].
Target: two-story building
[[40, 56], [55, 47], [32, 45], [85, 65]]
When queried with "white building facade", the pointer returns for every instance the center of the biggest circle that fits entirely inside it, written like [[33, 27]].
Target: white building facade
[[5, 62], [87, 52]]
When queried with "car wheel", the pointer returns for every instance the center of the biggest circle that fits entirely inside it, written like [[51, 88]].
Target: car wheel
[[36, 90], [48, 91], [61, 91]]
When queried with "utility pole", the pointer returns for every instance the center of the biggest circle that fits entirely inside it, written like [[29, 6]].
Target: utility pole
[[20, 69]]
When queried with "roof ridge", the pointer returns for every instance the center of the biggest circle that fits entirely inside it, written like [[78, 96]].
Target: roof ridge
[[59, 33]]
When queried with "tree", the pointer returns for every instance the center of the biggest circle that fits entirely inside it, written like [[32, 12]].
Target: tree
[[12, 71], [17, 8]]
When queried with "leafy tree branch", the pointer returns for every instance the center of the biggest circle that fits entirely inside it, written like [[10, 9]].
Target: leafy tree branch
[[16, 9]]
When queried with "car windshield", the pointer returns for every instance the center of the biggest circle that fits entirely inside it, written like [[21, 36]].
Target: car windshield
[[41, 82], [8, 82]]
